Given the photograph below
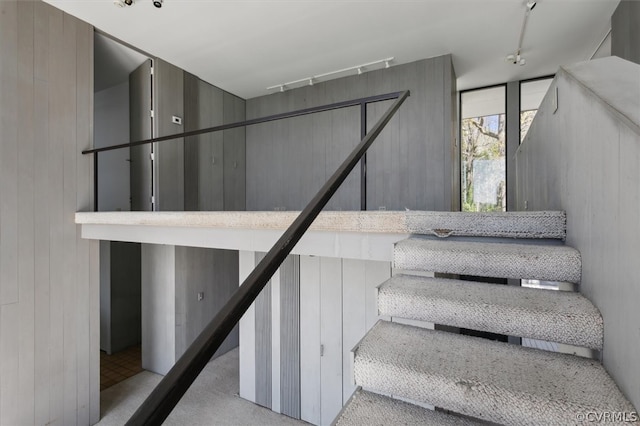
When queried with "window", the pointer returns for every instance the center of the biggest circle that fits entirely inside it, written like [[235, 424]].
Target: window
[[483, 148], [531, 94]]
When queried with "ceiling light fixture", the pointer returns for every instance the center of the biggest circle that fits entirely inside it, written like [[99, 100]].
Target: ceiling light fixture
[[157, 3], [516, 58], [360, 69]]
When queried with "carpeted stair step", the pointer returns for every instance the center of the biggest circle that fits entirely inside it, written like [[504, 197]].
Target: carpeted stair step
[[372, 409], [500, 260], [489, 380], [555, 316], [541, 224]]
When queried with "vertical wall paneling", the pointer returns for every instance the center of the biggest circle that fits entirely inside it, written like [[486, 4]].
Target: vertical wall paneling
[[276, 333], [263, 343], [191, 122], [289, 324], [84, 202], [41, 219], [9, 353], [330, 338], [105, 296], [353, 317], [9, 153], [47, 287], [411, 165], [210, 168], [94, 332], [214, 273], [140, 124], [344, 135], [158, 307], [57, 99], [247, 338], [125, 295], [26, 211], [451, 129], [168, 170], [625, 33], [234, 154], [70, 184], [309, 339]]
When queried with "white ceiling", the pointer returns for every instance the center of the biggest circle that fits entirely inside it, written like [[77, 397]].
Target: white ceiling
[[244, 46]]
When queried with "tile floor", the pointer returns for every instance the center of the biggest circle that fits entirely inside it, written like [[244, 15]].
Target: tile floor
[[119, 366]]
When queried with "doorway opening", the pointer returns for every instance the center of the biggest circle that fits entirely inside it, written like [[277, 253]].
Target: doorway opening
[[120, 290]]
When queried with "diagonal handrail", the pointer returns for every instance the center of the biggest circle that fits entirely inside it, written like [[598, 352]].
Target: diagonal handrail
[[159, 404]]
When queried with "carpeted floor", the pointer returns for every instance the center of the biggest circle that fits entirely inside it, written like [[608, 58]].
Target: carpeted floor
[[212, 400]]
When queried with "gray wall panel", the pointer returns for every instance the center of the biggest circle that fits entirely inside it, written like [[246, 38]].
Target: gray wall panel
[[234, 155], [213, 273], [290, 337], [169, 155], [411, 165], [625, 31], [140, 129], [125, 296], [583, 158], [191, 147], [214, 163], [48, 274], [158, 272], [263, 343]]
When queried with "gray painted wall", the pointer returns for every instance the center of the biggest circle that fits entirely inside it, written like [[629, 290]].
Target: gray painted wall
[[214, 273], [584, 159], [413, 164], [625, 31], [141, 128], [49, 277], [214, 163], [168, 170], [125, 295], [112, 127]]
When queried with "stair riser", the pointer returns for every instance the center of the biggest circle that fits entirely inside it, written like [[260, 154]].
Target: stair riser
[[493, 381], [463, 397], [531, 225], [546, 267], [570, 329]]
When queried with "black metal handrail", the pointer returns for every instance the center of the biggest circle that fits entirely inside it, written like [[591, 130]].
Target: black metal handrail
[[251, 122], [159, 404], [362, 102]]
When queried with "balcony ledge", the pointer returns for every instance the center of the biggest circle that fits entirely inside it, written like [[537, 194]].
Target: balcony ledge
[[368, 235]]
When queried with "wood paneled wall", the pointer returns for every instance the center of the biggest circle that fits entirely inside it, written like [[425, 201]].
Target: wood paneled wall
[[413, 164], [49, 302]]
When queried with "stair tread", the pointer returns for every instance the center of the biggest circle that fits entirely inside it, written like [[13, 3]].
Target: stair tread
[[494, 381], [489, 259], [529, 224], [372, 409], [557, 316]]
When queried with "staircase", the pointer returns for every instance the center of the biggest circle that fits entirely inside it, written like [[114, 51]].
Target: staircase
[[474, 380]]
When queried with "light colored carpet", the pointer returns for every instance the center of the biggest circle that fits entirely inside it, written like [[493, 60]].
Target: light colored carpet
[[499, 260], [494, 381], [212, 399], [371, 409], [556, 316]]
